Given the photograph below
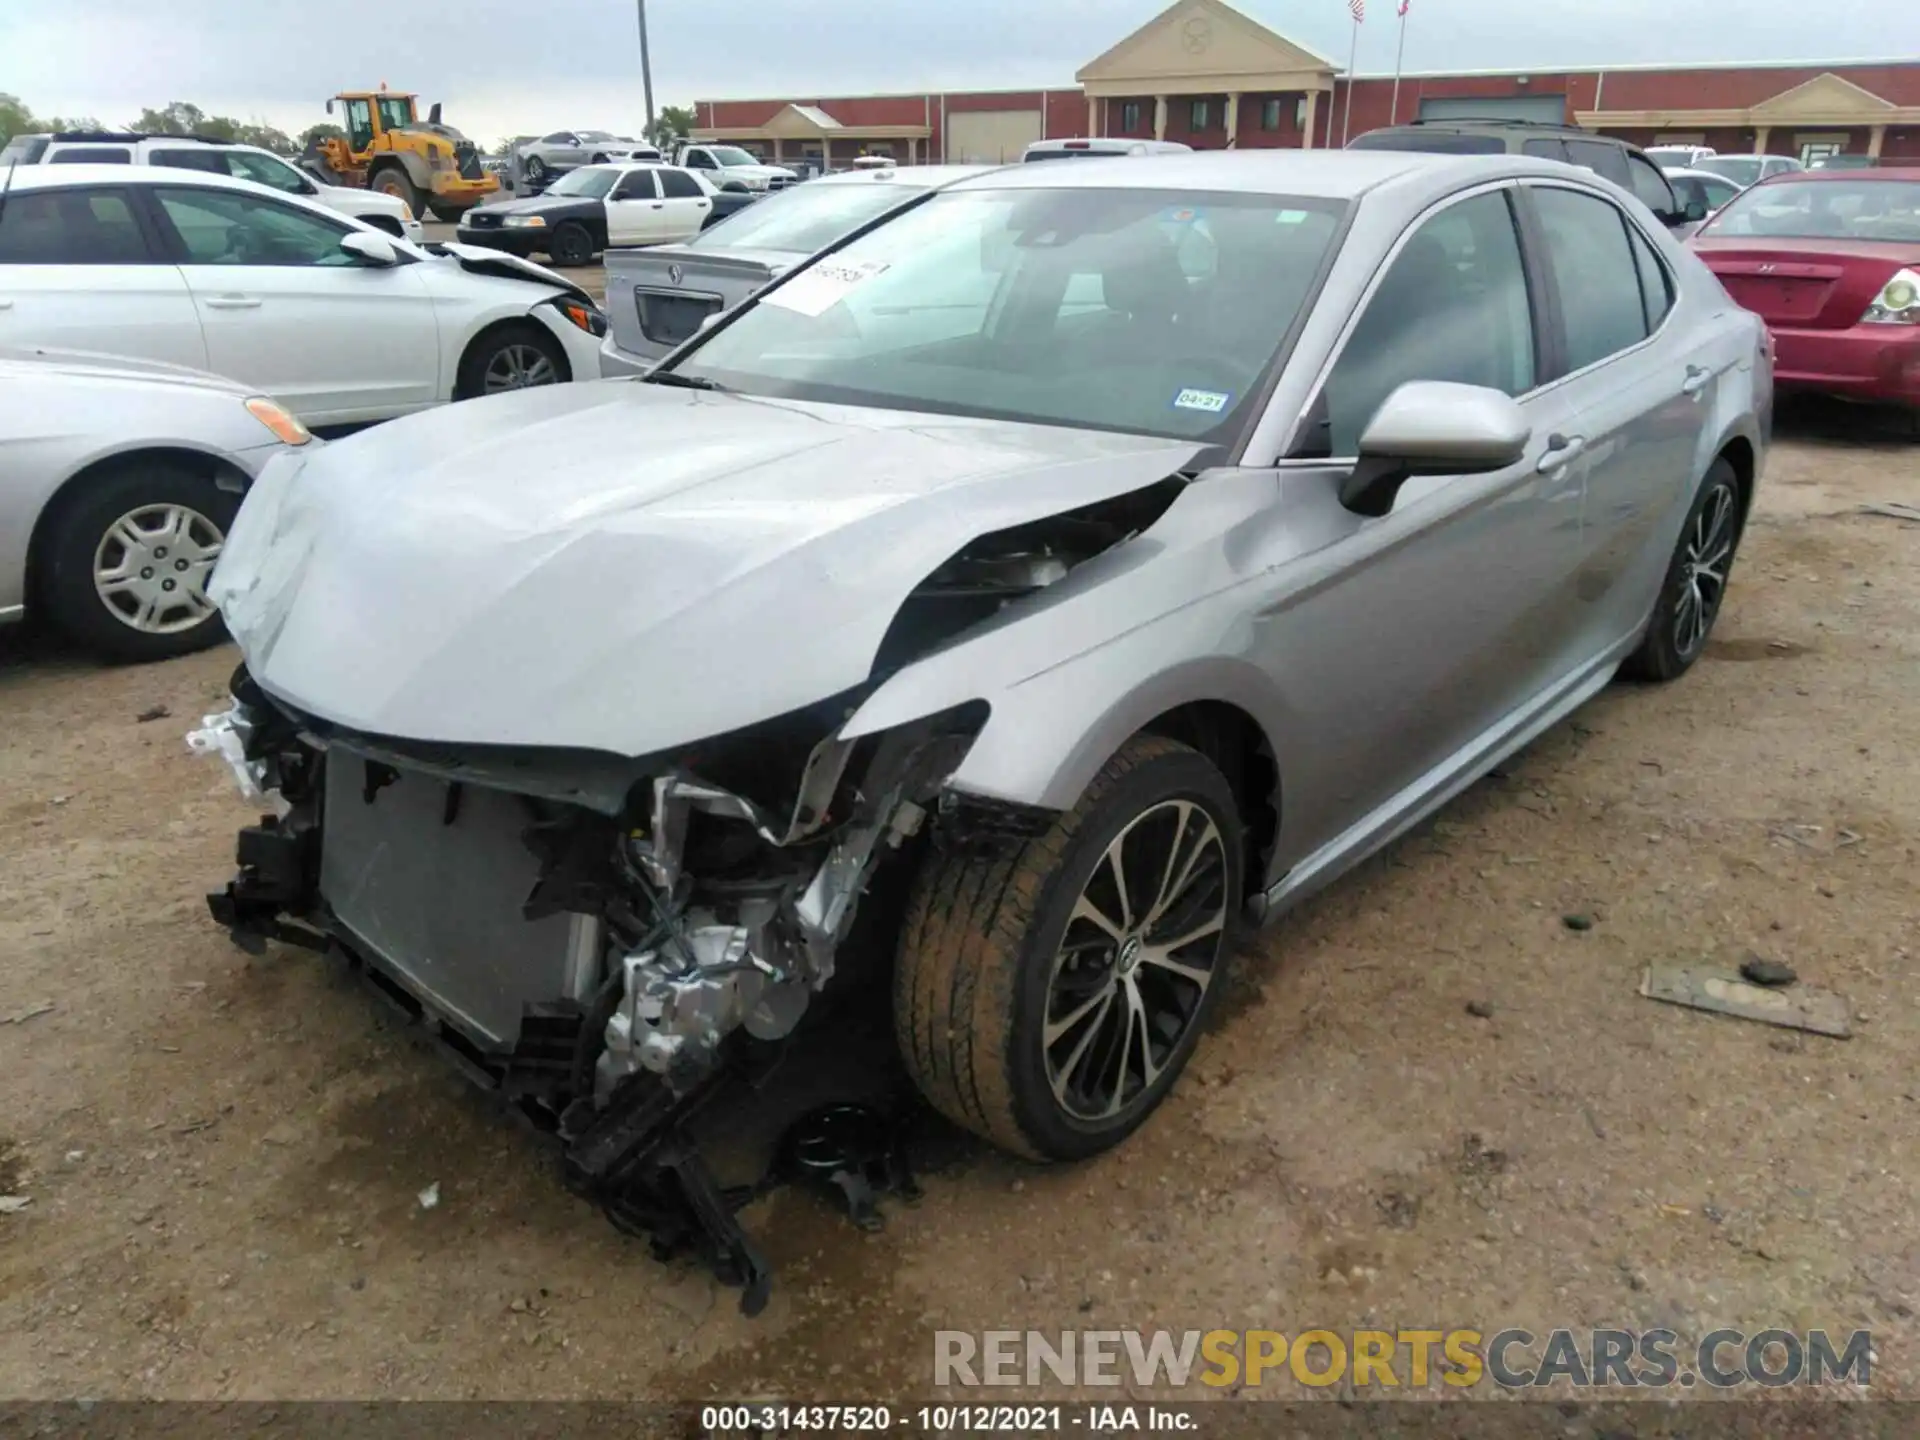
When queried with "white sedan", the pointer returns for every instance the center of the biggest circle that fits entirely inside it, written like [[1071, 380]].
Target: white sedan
[[337, 321]]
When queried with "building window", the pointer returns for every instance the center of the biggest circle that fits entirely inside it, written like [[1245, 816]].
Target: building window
[[1269, 114], [1202, 115], [1129, 117]]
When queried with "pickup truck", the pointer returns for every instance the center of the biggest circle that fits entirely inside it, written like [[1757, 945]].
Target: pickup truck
[[659, 297], [730, 162]]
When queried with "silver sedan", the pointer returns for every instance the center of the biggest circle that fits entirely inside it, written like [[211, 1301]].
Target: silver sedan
[[118, 480], [1065, 569]]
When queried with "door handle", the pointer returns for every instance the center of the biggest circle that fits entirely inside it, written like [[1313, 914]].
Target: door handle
[[6, 304], [233, 302], [1560, 449], [1696, 381], [659, 204]]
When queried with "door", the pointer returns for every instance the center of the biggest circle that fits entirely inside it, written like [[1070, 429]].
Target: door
[[1441, 618], [636, 213], [78, 271], [285, 309], [687, 205], [1639, 393], [563, 150]]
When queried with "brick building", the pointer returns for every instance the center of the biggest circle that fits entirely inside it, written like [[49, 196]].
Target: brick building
[[1203, 73]]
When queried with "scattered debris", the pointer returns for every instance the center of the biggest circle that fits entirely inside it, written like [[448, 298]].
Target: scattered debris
[[1762, 971], [196, 1125], [1593, 1122], [32, 1012], [1847, 837], [1577, 922], [61, 799], [14, 1204], [430, 1196], [1480, 1009], [1892, 510], [1479, 1158], [1399, 1209], [1723, 992], [152, 713], [1780, 645]]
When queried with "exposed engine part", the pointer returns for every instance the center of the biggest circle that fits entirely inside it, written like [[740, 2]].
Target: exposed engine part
[[226, 735], [854, 1151]]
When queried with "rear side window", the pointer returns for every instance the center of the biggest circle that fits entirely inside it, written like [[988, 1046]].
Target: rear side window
[[91, 155], [1649, 186], [210, 162], [70, 227], [679, 185], [1545, 149], [1601, 302], [1656, 287], [1606, 160], [1431, 142], [24, 150], [1452, 306]]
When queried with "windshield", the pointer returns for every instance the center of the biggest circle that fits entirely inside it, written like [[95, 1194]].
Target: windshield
[[1132, 310], [593, 135], [592, 181], [1823, 210], [1741, 169], [730, 155], [805, 219]]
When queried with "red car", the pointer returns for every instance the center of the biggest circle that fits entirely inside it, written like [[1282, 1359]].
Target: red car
[[1830, 259]]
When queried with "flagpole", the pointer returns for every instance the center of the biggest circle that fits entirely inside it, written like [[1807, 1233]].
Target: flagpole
[[1393, 114], [1353, 56]]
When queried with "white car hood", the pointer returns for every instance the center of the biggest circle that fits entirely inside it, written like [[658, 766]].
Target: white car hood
[[619, 566], [479, 260]]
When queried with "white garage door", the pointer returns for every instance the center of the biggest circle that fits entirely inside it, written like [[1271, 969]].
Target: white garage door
[[1545, 109], [990, 137]]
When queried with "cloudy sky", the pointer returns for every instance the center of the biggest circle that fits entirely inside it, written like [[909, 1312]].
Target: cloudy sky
[[507, 66]]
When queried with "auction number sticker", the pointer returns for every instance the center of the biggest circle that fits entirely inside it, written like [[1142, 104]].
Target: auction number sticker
[[1211, 401], [818, 290]]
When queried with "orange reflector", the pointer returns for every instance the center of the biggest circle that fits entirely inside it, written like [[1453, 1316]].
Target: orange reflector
[[288, 430]]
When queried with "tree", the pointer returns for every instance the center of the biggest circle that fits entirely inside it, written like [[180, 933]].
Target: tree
[[15, 118], [673, 125], [267, 138], [177, 118]]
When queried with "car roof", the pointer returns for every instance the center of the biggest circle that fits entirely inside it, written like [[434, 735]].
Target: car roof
[[49, 177], [923, 177], [1317, 174]]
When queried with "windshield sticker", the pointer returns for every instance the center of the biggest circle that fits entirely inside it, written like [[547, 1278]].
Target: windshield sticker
[[1182, 216], [825, 285], [1290, 217], [1211, 401]]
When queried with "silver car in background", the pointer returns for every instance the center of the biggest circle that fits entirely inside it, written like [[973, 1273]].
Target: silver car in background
[[118, 481], [566, 150], [660, 296], [987, 619]]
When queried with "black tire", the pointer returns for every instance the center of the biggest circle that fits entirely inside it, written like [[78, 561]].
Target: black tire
[[492, 357], [1683, 615], [447, 214], [986, 943], [570, 244], [394, 180], [597, 159], [80, 540], [535, 170]]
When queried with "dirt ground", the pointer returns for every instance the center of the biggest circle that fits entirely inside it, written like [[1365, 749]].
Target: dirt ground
[[225, 1155]]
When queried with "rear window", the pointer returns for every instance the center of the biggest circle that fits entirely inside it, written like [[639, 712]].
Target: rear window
[[91, 155], [1435, 142], [24, 150], [1032, 155], [804, 219], [1824, 210]]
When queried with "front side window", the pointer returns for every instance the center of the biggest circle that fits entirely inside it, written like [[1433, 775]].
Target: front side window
[[1601, 303], [1453, 306], [1649, 186], [396, 112], [218, 227], [679, 185], [1069, 307], [70, 227], [727, 155], [1823, 210], [265, 170], [591, 182], [208, 162]]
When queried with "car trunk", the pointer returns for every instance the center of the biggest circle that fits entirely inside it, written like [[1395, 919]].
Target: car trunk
[[658, 297], [1806, 284]]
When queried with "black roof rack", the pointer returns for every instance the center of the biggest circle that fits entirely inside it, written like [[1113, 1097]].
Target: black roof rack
[[1493, 120], [123, 137]]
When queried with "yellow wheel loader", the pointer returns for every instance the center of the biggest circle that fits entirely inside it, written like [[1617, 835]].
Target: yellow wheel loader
[[431, 166]]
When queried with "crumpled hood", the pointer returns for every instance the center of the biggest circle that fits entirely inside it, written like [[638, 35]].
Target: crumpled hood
[[621, 566]]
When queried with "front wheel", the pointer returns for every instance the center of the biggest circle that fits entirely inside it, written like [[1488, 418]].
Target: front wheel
[[518, 356], [1696, 581], [1047, 999], [125, 565]]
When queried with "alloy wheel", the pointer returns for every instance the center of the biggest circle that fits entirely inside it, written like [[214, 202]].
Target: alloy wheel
[[1141, 947], [1703, 575], [151, 566], [518, 367]]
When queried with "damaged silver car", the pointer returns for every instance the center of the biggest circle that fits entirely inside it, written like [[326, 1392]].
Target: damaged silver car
[[974, 629]]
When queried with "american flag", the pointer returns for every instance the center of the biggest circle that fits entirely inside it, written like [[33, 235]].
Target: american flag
[[1359, 9]]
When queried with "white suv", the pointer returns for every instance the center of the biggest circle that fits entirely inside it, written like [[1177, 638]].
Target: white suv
[[216, 157]]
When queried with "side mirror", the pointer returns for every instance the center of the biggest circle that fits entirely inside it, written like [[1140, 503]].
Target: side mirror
[[1433, 427], [307, 187], [1695, 212], [370, 249]]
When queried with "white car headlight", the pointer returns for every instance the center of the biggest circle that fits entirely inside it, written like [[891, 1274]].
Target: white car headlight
[[525, 222], [1898, 302]]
